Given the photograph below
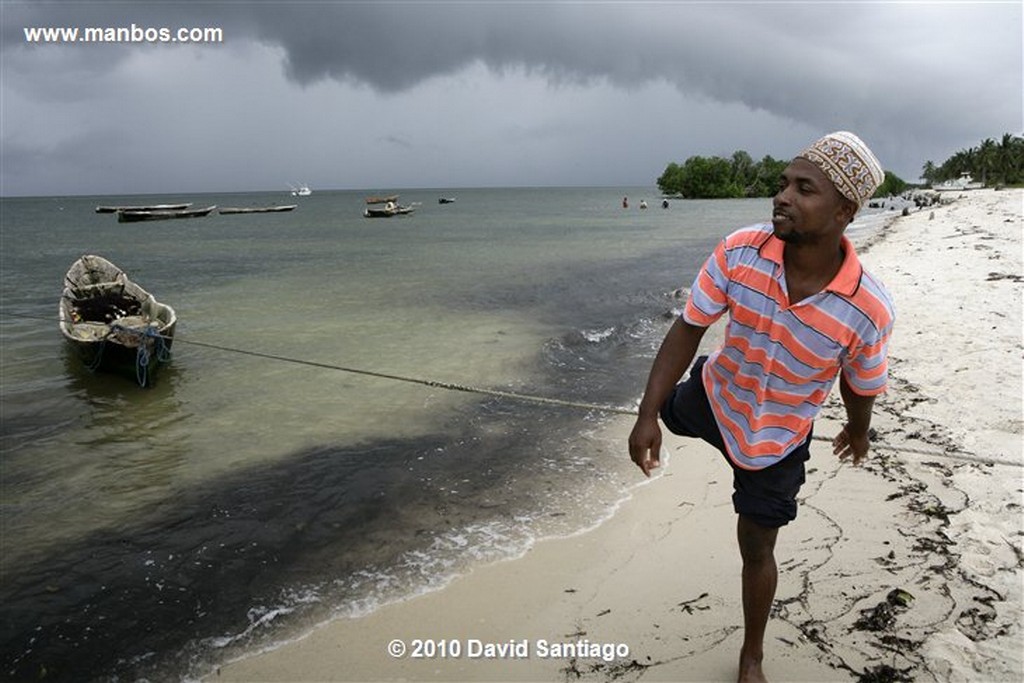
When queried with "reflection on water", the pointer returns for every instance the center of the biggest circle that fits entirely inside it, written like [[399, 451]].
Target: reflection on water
[[111, 451]]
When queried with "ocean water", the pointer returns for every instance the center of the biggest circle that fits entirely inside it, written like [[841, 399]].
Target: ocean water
[[149, 533]]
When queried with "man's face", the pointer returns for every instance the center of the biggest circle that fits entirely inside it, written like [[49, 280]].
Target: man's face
[[807, 206]]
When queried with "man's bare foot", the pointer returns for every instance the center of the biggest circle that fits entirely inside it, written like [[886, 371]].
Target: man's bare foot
[[750, 670]]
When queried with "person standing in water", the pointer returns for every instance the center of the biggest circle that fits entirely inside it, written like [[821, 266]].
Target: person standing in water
[[802, 313]]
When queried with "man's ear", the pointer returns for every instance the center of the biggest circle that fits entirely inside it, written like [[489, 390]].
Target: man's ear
[[847, 210]]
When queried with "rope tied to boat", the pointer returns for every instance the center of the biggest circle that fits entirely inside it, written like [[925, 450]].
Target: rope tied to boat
[[97, 360], [150, 345], [959, 455], [946, 453]]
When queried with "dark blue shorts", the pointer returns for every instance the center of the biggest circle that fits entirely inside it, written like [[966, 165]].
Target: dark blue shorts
[[767, 496]]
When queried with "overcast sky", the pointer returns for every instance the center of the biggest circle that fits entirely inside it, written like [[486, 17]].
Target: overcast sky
[[389, 95]]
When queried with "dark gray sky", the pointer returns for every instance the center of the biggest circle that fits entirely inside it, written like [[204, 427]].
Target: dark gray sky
[[385, 95]]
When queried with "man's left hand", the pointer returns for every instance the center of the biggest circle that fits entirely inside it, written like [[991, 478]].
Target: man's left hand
[[847, 444]]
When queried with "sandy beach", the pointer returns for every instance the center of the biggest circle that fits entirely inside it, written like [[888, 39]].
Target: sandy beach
[[909, 567]]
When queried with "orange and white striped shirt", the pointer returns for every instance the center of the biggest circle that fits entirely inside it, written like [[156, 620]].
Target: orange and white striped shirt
[[779, 360]]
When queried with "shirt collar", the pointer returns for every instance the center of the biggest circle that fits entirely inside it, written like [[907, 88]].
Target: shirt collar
[[846, 281]]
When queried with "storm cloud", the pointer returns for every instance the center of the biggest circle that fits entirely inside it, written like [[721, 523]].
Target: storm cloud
[[446, 94]]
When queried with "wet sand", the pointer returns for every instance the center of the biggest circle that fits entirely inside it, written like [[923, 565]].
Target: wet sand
[[908, 567]]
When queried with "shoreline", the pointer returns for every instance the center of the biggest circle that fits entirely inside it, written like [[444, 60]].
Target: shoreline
[[660, 577]]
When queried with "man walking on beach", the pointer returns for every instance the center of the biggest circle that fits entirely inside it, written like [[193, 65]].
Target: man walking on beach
[[802, 311]]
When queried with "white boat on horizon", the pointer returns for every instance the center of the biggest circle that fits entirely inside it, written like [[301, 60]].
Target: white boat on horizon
[[301, 191]]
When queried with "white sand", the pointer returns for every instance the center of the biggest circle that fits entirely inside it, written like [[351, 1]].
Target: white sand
[[936, 512]]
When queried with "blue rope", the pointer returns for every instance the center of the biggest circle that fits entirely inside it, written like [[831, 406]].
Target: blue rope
[[149, 337], [163, 352], [141, 363], [98, 358]]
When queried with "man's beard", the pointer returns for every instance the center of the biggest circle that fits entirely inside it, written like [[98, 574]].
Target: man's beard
[[791, 237]]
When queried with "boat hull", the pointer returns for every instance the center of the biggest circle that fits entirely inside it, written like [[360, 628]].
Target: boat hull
[[957, 187], [133, 216], [387, 213], [150, 207], [230, 210], [140, 361]]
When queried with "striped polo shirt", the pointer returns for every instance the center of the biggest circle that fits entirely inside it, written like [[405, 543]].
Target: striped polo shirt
[[779, 360]]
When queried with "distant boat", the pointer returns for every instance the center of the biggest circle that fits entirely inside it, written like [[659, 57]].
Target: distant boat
[[301, 191], [390, 207], [114, 324], [964, 182], [152, 207], [137, 215], [382, 200], [228, 210], [446, 200]]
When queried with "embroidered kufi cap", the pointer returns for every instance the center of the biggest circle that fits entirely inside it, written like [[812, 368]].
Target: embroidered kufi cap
[[848, 163]]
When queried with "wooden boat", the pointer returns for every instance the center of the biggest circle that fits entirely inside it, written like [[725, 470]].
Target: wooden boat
[[114, 324], [134, 216], [382, 200], [152, 207], [388, 211], [228, 210], [390, 208]]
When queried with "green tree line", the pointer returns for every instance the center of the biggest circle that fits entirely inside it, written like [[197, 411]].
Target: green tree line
[[991, 162], [739, 176], [717, 178]]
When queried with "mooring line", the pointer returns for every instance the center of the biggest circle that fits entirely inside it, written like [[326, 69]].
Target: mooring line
[[532, 398], [451, 386], [517, 396]]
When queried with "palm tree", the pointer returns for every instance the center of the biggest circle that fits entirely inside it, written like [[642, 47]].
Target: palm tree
[[987, 158], [995, 162], [928, 172], [1010, 156], [962, 162]]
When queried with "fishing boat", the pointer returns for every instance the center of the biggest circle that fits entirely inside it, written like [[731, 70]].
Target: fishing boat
[[964, 182], [446, 200], [229, 210], [382, 200], [135, 216], [390, 207], [387, 211], [114, 324], [301, 191], [149, 207]]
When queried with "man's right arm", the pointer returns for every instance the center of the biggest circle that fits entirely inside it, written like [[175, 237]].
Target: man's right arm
[[675, 355]]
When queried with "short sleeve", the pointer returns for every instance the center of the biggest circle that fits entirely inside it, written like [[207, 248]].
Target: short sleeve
[[708, 299], [866, 368]]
